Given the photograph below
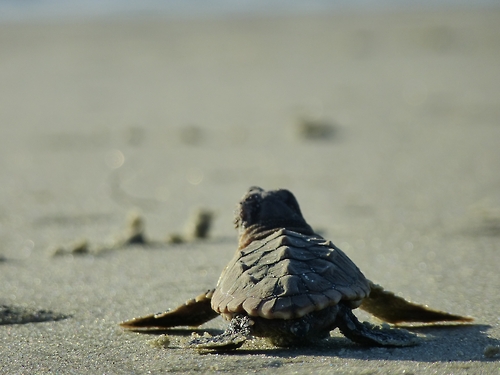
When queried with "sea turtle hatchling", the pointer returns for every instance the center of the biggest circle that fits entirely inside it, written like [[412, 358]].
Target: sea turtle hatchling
[[290, 285]]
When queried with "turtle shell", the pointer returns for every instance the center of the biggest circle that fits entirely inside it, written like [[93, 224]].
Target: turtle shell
[[288, 275]]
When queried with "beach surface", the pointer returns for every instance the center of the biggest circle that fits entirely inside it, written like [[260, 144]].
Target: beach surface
[[385, 126]]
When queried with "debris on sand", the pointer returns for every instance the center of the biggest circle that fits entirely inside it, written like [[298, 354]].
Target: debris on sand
[[200, 224], [135, 231], [191, 134], [79, 247], [197, 228], [175, 239], [315, 129], [162, 341]]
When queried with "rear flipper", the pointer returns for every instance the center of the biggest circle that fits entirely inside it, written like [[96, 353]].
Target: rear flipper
[[368, 334], [393, 309], [234, 336], [193, 313]]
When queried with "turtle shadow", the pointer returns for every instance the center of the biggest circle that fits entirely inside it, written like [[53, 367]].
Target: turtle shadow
[[176, 332], [443, 343]]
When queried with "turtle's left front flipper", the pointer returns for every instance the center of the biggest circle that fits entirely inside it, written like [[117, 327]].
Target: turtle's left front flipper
[[387, 306], [193, 313], [232, 338]]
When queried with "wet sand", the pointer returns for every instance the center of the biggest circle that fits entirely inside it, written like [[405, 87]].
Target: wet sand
[[385, 126]]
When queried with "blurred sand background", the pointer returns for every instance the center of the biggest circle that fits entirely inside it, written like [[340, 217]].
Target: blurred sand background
[[163, 117]]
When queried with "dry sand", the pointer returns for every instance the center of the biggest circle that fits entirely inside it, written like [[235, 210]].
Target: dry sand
[[165, 117]]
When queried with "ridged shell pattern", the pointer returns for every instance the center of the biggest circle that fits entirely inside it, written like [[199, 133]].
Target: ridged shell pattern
[[287, 275]]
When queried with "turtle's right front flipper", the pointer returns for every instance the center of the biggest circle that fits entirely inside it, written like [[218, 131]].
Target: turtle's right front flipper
[[193, 313], [390, 308], [368, 334]]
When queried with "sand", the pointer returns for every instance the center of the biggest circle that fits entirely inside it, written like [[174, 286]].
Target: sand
[[385, 126]]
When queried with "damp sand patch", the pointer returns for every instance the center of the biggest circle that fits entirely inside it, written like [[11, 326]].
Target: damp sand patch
[[24, 315]]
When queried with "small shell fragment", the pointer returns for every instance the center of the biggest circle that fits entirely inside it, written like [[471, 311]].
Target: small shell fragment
[[162, 341]]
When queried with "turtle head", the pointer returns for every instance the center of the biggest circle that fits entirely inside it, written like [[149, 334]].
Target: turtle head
[[260, 210]]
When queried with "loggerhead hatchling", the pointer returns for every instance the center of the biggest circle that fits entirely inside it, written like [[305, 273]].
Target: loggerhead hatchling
[[290, 285]]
